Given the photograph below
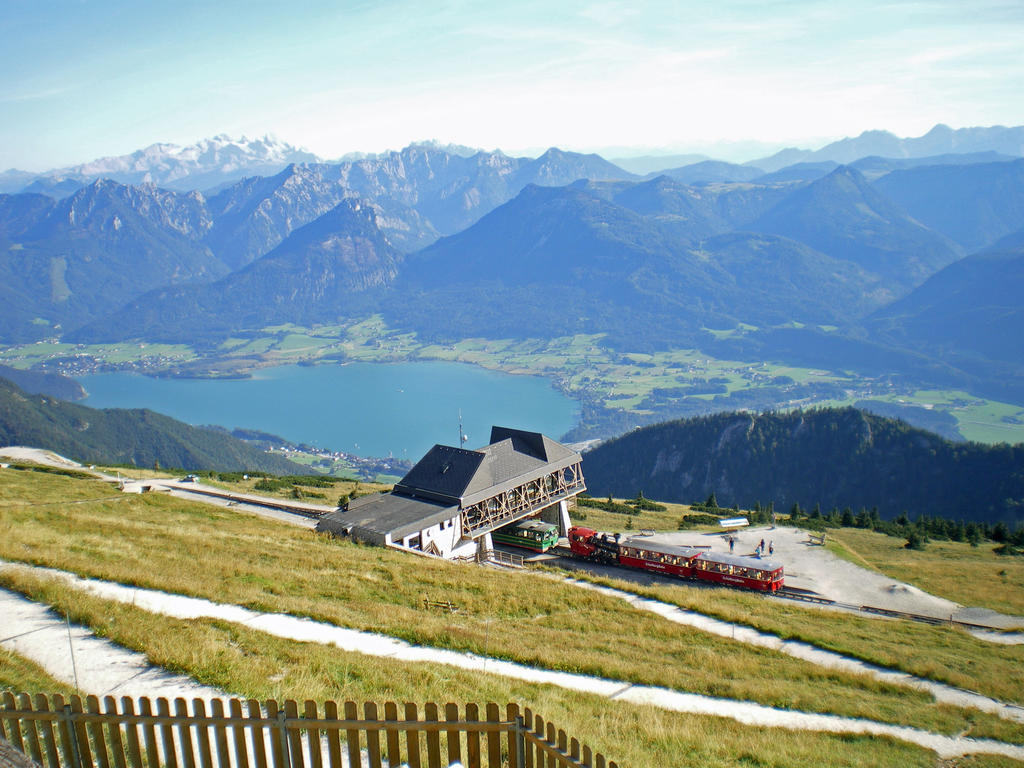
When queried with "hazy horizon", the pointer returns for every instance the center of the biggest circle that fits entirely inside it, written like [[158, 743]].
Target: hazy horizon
[[87, 80]]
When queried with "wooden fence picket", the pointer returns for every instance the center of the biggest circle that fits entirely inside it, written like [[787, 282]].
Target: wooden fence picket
[[528, 754], [294, 756], [46, 729], [31, 734], [114, 731], [538, 730], [372, 735], [81, 733], [184, 730], [6, 725], [333, 737], [472, 737], [394, 752], [259, 734], [412, 737], [202, 734], [551, 739], [278, 737], [131, 733], [493, 737], [95, 729], [163, 709], [312, 735], [13, 733], [65, 729], [352, 736], [220, 734], [454, 738], [433, 736], [161, 733], [515, 756], [238, 731]]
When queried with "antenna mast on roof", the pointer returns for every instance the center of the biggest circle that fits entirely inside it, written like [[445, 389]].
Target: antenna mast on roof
[[462, 436]]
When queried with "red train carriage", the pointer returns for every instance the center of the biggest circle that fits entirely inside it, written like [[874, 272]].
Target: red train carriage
[[649, 555], [746, 572], [683, 562]]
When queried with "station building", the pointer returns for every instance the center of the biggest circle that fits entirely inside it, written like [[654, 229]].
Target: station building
[[451, 501]]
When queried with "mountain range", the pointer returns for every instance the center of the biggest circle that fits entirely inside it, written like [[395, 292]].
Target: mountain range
[[454, 244], [203, 165], [940, 140]]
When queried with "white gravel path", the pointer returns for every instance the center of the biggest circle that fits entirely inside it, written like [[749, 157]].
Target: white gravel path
[[76, 656], [304, 630], [37, 455], [944, 693]]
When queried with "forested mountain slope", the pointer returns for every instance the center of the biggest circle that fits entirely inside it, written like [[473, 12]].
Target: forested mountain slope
[[832, 457], [121, 436]]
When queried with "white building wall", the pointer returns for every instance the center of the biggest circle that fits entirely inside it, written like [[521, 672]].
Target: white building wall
[[446, 536]]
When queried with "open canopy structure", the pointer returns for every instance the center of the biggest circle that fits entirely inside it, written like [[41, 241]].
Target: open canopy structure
[[454, 498]]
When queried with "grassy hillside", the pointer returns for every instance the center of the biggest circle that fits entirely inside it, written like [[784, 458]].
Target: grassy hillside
[[118, 436], [955, 570], [275, 567], [253, 664], [832, 457]]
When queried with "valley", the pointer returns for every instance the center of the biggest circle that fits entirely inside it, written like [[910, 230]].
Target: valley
[[617, 390]]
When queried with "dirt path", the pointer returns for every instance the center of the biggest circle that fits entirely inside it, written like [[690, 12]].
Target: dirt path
[[304, 630]]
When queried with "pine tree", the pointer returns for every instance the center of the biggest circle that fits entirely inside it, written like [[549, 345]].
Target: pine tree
[[915, 540]]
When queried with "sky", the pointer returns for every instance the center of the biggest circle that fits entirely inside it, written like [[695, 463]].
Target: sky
[[735, 79]]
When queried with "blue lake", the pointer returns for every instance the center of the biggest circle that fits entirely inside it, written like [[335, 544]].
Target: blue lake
[[369, 409]]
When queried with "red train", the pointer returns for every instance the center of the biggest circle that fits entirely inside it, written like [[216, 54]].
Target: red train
[[684, 562]]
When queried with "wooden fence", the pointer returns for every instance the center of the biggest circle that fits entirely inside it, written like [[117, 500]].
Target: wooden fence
[[144, 733]]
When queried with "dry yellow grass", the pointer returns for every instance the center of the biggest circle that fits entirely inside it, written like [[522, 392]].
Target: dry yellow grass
[[957, 571], [244, 662], [943, 653], [18, 674], [653, 520], [235, 558]]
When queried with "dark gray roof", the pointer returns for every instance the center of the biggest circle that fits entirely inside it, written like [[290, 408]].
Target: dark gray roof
[[442, 474], [387, 513], [459, 476]]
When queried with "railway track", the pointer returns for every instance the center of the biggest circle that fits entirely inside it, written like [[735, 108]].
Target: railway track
[[788, 593]]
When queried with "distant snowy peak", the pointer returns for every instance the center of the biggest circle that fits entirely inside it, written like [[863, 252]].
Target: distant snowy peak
[[221, 152], [206, 164]]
